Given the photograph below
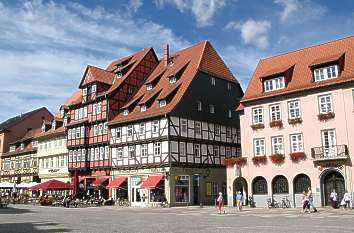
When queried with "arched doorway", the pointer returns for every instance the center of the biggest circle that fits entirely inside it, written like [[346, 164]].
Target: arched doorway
[[301, 183], [332, 179], [240, 185]]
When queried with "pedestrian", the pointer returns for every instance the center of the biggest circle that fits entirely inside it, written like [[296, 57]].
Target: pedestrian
[[310, 197], [305, 203], [334, 198], [239, 201], [220, 202], [347, 199]]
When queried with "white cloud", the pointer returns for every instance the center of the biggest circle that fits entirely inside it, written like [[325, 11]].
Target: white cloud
[[134, 5], [295, 11], [202, 10], [253, 32], [45, 46]]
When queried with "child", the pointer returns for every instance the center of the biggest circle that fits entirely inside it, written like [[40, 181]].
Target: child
[[220, 202]]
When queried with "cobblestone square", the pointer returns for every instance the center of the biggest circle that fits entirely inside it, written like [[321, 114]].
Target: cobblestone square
[[25, 218]]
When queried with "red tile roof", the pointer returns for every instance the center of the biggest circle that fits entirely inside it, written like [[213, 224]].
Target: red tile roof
[[75, 98], [95, 74], [303, 59], [200, 57], [52, 132]]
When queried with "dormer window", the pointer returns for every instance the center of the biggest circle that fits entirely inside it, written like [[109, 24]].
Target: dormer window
[[325, 73], [212, 80], [149, 87], [84, 92], [143, 108], [65, 121], [170, 62], [43, 128], [12, 148], [162, 103], [125, 112], [274, 84], [53, 125], [173, 79], [93, 88], [34, 144], [22, 146]]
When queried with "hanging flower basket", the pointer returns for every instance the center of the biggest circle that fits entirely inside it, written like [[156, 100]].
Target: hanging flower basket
[[239, 161], [257, 160], [257, 126], [278, 123], [326, 116], [295, 121], [277, 158], [297, 156]]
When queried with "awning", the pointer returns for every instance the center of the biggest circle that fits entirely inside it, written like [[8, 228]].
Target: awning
[[6, 185], [117, 182], [100, 180], [151, 182], [52, 185]]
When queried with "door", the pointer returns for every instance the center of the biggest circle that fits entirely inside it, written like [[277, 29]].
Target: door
[[335, 181], [329, 143], [196, 181]]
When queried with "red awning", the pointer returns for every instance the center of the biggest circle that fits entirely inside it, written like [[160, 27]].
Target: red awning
[[151, 182], [52, 185], [100, 180], [117, 182]]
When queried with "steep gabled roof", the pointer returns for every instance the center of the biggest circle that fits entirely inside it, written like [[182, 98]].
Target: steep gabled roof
[[303, 60], [75, 98], [17, 119], [95, 74], [186, 63]]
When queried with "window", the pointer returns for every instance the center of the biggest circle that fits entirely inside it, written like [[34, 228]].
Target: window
[[105, 128], [182, 148], [22, 146], [182, 188], [80, 111], [143, 108], [92, 154], [101, 153], [76, 114], [199, 105], [155, 126], [149, 87], [118, 133], [211, 188], [216, 151], [130, 90], [228, 132], [47, 162], [257, 115], [84, 92], [198, 128], [277, 145], [119, 152], [228, 152], [259, 185], [228, 86], [162, 103], [157, 148], [125, 112], [100, 129], [229, 113], [326, 73], [131, 151], [106, 152], [325, 103], [296, 143], [99, 107], [259, 147], [212, 80], [93, 88], [85, 111], [51, 162], [12, 148], [184, 126], [211, 108], [280, 185], [77, 132], [82, 131], [97, 153], [217, 130], [130, 130], [73, 133], [274, 84], [301, 183], [94, 109], [294, 109], [95, 130], [197, 150], [144, 150], [275, 112], [62, 161], [142, 128], [173, 79]]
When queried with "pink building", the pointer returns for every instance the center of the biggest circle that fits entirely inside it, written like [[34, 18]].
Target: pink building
[[297, 126]]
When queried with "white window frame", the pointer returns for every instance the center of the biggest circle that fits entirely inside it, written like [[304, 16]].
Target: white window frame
[[130, 131], [162, 103], [277, 145], [211, 109], [274, 84], [184, 126], [93, 88], [327, 105], [149, 87], [296, 143], [325, 73], [144, 150], [197, 151], [294, 109], [132, 151], [82, 131], [119, 152], [143, 108], [141, 128], [275, 112], [199, 106], [173, 79], [157, 148], [118, 133], [198, 128], [217, 130], [257, 115], [155, 126], [259, 143], [125, 112], [105, 128], [212, 80]]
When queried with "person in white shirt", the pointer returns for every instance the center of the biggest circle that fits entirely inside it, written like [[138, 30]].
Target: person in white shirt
[[347, 199], [334, 198]]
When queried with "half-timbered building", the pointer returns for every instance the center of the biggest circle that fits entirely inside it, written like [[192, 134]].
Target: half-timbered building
[[102, 93], [170, 140]]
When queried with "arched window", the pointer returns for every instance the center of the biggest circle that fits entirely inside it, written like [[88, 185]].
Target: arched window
[[259, 185], [280, 185], [301, 183]]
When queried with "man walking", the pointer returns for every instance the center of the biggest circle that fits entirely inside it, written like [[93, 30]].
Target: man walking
[[310, 197]]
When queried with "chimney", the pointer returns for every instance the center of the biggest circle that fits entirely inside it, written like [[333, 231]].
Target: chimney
[[166, 54]]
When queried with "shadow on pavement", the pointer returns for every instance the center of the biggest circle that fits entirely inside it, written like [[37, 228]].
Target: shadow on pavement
[[12, 210], [29, 227]]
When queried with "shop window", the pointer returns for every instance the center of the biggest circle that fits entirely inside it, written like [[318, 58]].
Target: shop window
[[182, 188], [211, 188]]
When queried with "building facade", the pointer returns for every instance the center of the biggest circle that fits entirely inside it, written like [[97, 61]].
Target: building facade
[[18, 146], [102, 93], [170, 140], [296, 126], [52, 152]]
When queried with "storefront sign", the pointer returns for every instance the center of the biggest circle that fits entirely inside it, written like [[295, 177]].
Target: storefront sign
[[53, 170]]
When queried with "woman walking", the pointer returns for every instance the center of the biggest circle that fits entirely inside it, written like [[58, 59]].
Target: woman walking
[[305, 203], [220, 202], [334, 199], [310, 197]]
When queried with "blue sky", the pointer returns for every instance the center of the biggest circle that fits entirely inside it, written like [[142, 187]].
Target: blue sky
[[46, 45]]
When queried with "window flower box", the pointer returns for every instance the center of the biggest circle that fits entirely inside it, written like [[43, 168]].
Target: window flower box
[[277, 158], [257, 160], [295, 121], [257, 126], [326, 116], [239, 161], [297, 156], [278, 123]]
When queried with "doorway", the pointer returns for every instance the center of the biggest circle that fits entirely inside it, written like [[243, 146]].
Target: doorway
[[240, 185], [332, 180]]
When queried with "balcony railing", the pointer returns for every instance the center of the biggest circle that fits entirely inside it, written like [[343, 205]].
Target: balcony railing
[[330, 152]]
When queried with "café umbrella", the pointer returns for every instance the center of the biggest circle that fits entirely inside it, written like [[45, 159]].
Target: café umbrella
[[52, 185]]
